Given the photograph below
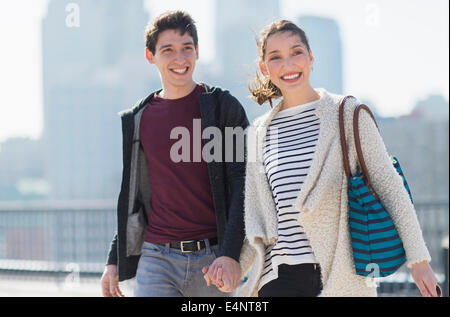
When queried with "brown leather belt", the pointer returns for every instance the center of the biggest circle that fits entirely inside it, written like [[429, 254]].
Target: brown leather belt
[[191, 246]]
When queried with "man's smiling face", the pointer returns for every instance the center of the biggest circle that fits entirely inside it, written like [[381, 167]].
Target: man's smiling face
[[175, 56]]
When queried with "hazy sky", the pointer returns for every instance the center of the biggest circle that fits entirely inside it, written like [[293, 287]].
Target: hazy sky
[[395, 52]]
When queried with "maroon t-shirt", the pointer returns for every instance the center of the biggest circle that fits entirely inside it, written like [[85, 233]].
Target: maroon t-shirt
[[181, 205]]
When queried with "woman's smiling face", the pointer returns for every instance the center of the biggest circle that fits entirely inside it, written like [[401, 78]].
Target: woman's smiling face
[[287, 62]]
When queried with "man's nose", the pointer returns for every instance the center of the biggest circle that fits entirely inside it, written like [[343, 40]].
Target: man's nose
[[179, 57]]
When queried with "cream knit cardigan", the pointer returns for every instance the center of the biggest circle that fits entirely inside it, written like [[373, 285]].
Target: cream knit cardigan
[[322, 202]]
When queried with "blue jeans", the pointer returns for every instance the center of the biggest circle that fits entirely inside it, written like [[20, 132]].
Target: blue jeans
[[166, 272]]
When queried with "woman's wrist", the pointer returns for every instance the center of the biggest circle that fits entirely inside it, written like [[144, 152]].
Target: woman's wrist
[[420, 263]]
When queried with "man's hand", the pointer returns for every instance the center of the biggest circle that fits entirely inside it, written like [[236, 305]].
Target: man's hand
[[224, 272], [110, 282], [425, 279]]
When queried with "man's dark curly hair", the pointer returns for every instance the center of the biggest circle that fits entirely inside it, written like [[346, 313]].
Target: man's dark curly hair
[[172, 20]]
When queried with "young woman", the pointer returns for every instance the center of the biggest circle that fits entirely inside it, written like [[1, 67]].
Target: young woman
[[296, 215]]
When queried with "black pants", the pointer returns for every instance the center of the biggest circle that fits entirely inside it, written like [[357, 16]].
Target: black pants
[[302, 280]]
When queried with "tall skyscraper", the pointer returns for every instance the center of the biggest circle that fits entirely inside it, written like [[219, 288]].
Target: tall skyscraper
[[325, 42], [238, 23], [93, 67]]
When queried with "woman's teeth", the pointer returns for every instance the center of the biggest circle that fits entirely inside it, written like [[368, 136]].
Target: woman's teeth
[[290, 77]]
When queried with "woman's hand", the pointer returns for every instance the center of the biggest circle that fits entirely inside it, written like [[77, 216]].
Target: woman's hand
[[425, 279], [224, 272]]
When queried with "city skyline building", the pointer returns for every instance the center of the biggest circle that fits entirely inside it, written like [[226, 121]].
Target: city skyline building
[[238, 25], [326, 45], [92, 69], [432, 108]]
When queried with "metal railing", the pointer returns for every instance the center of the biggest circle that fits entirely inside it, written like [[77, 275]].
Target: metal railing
[[67, 242]]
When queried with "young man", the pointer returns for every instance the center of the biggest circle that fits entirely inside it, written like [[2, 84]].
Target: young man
[[180, 216]]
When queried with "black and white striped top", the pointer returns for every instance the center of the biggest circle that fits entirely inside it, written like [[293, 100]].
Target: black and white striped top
[[288, 153]]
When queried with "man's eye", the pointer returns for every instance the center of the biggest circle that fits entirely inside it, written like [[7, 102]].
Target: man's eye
[[298, 52]]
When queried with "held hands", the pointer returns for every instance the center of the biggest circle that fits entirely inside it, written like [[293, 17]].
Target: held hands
[[224, 273], [425, 279]]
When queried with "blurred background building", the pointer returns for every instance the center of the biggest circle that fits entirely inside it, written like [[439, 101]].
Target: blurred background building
[[327, 52], [58, 193], [235, 42], [90, 74]]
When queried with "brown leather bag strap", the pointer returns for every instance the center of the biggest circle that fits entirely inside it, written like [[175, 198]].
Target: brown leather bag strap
[[362, 163], [343, 140], [359, 152]]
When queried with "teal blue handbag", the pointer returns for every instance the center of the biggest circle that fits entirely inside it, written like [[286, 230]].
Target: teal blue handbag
[[377, 248]]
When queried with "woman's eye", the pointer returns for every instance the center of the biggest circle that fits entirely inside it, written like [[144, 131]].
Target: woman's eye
[[274, 58], [298, 52]]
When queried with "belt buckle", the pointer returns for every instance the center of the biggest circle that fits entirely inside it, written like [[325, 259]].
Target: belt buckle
[[182, 246]]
